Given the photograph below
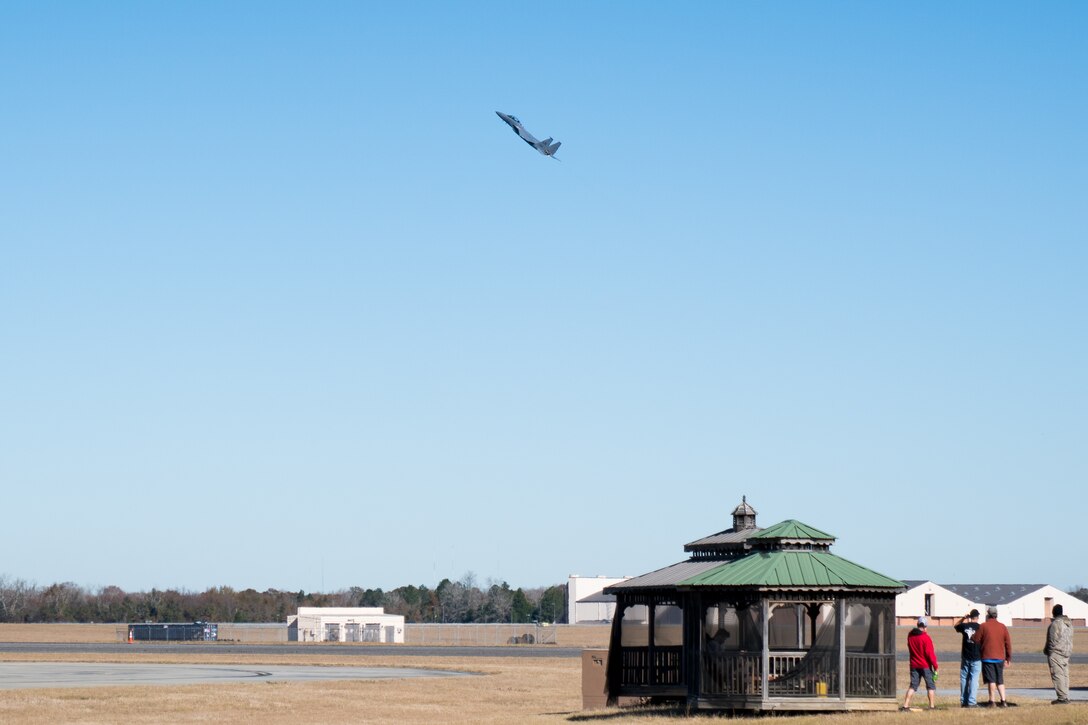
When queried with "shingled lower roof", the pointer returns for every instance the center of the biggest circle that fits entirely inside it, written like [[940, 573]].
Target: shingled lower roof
[[729, 536], [670, 576], [792, 569]]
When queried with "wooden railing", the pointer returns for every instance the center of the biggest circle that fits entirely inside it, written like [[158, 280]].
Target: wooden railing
[[803, 674], [870, 675], [732, 673], [666, 668], [789, 674]]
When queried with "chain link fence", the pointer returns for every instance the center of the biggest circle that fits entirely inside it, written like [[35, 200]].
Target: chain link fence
[[478, 635]]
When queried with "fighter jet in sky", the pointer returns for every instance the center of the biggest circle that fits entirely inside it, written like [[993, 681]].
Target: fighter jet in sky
[[545, 147]]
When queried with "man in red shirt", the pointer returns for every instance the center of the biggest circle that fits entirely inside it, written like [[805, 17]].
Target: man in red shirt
[[923, 664], [995, 646]]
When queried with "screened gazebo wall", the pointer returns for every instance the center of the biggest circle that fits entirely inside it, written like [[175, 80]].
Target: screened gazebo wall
[[745, 651], [816, 647], [648, 635]]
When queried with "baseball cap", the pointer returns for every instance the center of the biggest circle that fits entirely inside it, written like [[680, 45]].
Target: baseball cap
[[991, 611], [921, 621]]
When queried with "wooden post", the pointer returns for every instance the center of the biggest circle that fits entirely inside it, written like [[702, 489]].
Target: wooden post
[[842, 648], [651, 608], [766, 615]]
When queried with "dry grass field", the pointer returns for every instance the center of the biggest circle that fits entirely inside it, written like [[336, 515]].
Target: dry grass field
[[507, 690], [76, 633]]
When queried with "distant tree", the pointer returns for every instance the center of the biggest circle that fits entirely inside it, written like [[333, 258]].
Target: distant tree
[[62, 603], [14, 597], [108, 604], [452, 601], [459, 602], [221, 604], [521, 609], [1079, 592], [428, 605], [498, 605], [372, 598], [406, 601], [553, 604], [475, 599], [443, 594]]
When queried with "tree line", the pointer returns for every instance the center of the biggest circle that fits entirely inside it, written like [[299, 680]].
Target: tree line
[[463, 601]]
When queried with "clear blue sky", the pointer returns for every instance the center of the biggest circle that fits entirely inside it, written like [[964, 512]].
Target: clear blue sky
[[284, 304]]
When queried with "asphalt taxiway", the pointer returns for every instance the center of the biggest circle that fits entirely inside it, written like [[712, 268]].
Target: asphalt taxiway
[[28, 675]]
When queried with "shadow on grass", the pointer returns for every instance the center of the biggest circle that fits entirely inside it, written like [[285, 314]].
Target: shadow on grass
[[661, 711]]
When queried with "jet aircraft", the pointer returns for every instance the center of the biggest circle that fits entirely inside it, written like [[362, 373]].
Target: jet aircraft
[[545, 147]]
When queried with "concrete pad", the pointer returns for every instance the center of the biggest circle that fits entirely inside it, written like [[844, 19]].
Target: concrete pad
[[1076, 694], [27, 675]]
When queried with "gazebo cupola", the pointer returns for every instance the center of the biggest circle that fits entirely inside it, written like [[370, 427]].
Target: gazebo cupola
[[731, 543], [744, 516]]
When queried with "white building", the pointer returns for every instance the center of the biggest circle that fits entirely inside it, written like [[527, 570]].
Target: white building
[[585, 601], [937, 603], [345, 624], [1017, 604]]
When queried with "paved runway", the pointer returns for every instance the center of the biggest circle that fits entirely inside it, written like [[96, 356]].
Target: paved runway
[[15, 675], [25, 675], [348, 650], [379, 650]]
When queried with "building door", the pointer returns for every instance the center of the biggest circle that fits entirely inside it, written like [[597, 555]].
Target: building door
[[332, 631]]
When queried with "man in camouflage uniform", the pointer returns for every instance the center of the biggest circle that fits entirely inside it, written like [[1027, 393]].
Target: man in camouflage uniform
[[1059, 645]]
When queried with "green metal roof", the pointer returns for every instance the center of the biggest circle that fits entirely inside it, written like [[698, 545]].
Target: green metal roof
[[792, 529], [792, 569]]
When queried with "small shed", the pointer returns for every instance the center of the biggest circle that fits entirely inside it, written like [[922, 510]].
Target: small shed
[[345, 624], [757, 619]]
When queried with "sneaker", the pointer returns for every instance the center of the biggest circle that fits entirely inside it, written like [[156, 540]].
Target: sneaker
[[1003, 704], [1059, 702]]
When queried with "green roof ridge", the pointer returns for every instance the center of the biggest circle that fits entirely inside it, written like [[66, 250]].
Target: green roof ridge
[[792, 529], [792, 569]]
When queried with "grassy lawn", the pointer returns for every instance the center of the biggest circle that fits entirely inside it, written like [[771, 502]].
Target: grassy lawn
[[509, 690]]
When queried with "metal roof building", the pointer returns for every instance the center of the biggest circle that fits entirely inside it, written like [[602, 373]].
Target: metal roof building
[[757, 619], [1017, 604]]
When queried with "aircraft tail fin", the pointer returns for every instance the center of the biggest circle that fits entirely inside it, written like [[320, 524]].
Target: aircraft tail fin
[[552, 147]]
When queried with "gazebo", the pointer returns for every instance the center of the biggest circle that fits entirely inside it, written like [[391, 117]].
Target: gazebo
[[757, 619]]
